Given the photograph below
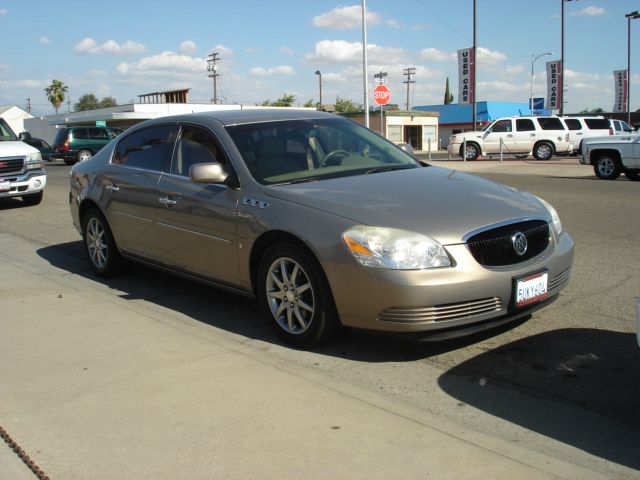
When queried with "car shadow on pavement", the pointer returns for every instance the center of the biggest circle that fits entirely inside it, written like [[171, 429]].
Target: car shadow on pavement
[[556, 370], [241, 315]]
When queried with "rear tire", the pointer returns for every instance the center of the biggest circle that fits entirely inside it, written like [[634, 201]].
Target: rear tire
[[294, 295], [103, 255], [543, 150], [607, 167], [33, 199], [69, 162]]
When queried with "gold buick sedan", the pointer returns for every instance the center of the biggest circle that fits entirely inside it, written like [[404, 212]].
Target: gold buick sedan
[[324, 222]]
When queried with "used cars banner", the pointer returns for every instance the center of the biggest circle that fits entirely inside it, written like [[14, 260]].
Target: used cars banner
[[466, 71], [620, 101], [554, 84]]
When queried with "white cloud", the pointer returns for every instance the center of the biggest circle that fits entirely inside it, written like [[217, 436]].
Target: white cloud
[[44, 40], [28, 83], [166, 63], [487, 56], [88, 46], [393, 23], [223, 51], [435, 55], [3, 11], [590, 12], [345, 18], [253, 49], [280, 70], [328, 52], [513, 69], [420, 26], [188, 46], [287, 50]]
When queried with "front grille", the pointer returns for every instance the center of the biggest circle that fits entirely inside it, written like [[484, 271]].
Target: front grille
[[441, 313], [11, 165], [494, 248]]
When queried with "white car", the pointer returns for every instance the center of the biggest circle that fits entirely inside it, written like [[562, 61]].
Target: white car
[[21, 169], [541, 137], [611, 156]]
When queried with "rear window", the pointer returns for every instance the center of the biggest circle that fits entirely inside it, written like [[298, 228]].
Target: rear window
[[597, 123], [550, 123], [61, 136], [573, 124]]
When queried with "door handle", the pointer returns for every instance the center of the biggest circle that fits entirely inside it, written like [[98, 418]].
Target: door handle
[[167, 201], [112, 188], [510, 135], [532, 134]]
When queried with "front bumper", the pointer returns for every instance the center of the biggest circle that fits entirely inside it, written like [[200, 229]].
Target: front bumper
[[25, 184], [443, 300]]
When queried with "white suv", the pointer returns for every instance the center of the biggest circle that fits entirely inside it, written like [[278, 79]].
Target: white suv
[[541, 137]]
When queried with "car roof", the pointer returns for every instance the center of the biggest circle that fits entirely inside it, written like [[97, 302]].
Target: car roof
[[258, 115]]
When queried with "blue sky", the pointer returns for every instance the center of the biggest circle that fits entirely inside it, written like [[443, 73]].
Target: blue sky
[[270, 47]]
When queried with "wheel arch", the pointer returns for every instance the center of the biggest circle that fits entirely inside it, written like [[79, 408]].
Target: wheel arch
[[595, 154]]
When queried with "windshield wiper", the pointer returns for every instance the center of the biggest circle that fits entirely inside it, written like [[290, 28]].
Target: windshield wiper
[[303, 180], [389, 169]]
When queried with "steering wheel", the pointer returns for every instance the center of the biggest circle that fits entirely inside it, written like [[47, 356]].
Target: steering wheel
[[325, 160]]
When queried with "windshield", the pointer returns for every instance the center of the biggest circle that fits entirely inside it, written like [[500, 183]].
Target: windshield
[[310, 150], [6, 134]]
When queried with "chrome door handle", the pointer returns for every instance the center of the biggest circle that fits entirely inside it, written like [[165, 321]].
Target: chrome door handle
[[112, 188], [532, 134], [510, 135], [167, 201]]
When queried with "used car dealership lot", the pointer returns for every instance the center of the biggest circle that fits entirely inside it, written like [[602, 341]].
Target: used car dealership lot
[[150, 374]]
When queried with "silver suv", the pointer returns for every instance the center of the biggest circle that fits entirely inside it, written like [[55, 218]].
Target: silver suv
[[541, 137]]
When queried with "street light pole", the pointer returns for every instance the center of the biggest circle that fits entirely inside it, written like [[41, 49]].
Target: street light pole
[[475, 62], [562, 56], [629, 16], [319, 73], [533, 60]]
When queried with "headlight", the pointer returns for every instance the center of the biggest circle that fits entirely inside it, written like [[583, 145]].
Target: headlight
[[34, 160], [554, 214], [395, 249]]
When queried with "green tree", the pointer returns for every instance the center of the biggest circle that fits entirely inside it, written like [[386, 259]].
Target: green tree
[[312, 104], [107, 102], [286, 100], [593, 110], [448, 96], [88, 101], [56, 93], [345, 106]]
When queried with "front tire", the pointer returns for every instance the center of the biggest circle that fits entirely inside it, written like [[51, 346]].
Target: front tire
[[607, 167], [543, 151], [472, 152], [103, 255], [294, 296], [33, 199]]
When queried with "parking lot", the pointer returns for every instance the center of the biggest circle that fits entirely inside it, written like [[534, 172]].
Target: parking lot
[[150, 375]]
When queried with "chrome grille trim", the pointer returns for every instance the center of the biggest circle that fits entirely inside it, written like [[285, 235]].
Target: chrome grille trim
[[441, 313], [10, 166]]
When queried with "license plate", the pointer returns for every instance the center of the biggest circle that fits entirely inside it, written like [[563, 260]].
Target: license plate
[[5, 186], [531, 289]]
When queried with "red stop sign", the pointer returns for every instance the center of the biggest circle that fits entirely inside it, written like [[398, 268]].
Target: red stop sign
[[381, 95]]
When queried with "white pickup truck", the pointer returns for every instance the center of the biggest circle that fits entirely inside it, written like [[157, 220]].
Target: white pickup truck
[[611, 156], [21, 170]]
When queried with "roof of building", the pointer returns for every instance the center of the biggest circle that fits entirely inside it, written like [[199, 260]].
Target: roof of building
[[485, 111]]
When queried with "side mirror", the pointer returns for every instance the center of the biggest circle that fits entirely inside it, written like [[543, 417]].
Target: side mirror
[[406, 148], [24, 136], [207, 173]]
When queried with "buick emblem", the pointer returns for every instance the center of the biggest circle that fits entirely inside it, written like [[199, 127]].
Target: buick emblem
[[519, 242]]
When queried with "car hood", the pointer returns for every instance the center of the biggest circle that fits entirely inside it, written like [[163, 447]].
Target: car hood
[[444, 204], [15, 147], [611, 139]]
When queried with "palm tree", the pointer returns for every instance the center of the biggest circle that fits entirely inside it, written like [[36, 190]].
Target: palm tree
[[55, 93]]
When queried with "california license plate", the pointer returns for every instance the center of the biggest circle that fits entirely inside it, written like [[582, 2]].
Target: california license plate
[[531, 289], [5, 186]]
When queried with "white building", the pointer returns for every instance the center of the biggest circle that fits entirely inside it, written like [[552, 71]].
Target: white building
[[15, 117]]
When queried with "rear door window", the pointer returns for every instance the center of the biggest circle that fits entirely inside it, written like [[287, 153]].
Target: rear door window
[[524, 125], [147, 149], [597, 123], [98, 134], [573, 123], [550, 123], [80, 134]]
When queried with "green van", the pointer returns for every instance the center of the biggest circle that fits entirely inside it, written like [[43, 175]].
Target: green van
[[75, 144]]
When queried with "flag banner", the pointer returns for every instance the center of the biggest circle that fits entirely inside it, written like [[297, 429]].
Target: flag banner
[[554, 84], [620, 101], [466, 71]]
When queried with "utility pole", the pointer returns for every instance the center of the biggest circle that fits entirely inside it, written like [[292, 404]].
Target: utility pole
[[408, 72], [68, 104], [212, 67], [29, 105]]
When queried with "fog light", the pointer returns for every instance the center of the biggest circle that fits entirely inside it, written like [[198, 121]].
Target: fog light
[[37, 183]]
